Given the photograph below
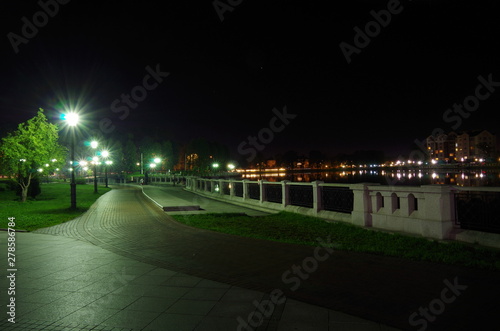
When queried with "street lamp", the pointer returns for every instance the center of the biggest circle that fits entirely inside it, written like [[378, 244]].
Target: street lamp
[[72, 119], [83, 166], [156, 160], [105, 155], [215, 166], [95, 159]]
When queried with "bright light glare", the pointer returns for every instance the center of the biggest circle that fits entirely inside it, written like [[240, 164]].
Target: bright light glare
[[93, 144], [71, 118], [105, 153]]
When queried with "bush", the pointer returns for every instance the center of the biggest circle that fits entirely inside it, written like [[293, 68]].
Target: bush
[[80, 181], [10, 184], [4, 187]]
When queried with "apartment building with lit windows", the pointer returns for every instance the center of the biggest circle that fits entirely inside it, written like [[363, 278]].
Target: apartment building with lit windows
[[462, 147]]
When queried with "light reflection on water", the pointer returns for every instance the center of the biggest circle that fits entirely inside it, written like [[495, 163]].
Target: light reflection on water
[[476, 177]]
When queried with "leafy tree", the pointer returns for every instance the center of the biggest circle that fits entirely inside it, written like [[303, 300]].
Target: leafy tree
[[34, 144], [289, 157], [167, 151], [130, 156], [33, 190], [316, 158]]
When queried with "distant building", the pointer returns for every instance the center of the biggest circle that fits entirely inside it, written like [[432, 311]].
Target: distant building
[[475, 145], [466, 146], [442, 147]]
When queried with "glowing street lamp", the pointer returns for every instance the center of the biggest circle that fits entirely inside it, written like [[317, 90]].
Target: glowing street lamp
[[93, 145], [105, 155], [72, 119]]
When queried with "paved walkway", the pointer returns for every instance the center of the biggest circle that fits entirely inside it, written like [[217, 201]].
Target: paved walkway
[[126, 265], [171, 198]]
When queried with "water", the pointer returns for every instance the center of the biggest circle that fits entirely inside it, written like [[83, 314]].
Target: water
[[414, 177]]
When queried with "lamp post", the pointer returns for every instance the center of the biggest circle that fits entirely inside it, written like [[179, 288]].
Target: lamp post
[[108, 163], [157, 160], [84, 168], [72, 120], [152, 166], [95, 159], [105, 155]]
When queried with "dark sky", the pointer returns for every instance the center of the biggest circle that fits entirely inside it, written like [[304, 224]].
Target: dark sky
[[225, 77]]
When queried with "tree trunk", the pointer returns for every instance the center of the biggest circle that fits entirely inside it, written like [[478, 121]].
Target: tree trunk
[[24, 188], [24, 193]]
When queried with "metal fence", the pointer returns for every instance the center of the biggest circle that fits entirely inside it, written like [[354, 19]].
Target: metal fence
[[274, 193], [254, 191], [301, 195], [238, 189], [226, 188], [478, 211], [340, 199]]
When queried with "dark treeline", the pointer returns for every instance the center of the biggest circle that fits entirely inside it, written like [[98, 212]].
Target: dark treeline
[[317, 159], [127, 151]]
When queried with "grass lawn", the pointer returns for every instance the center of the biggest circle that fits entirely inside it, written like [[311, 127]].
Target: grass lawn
[[50, 208], [300, 229]]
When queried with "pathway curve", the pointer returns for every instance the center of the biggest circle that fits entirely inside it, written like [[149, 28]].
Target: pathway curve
[[382, 289]]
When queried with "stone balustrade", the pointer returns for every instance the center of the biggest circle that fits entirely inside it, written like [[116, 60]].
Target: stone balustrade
[[427, 211]]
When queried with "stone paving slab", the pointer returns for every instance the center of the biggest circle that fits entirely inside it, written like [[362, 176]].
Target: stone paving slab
[[64, 283]]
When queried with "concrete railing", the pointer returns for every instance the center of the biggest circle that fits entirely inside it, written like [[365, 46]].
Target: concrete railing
[[427, 211]]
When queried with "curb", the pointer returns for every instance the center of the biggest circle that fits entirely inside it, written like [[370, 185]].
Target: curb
[[156, 203]]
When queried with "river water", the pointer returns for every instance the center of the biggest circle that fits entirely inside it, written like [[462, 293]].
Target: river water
[[414, 177]]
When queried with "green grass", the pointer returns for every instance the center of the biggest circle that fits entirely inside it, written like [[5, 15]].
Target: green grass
[[51, 207], [300, 229]]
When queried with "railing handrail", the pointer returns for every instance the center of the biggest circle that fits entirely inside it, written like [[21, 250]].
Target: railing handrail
[[370, 186]]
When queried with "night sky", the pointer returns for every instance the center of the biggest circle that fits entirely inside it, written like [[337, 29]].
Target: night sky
[[226, 76]]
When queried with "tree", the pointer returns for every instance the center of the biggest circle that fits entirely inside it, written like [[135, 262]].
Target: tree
[[289, 157], [167, 150], [130, 156], [316, 158], [34, 144]]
